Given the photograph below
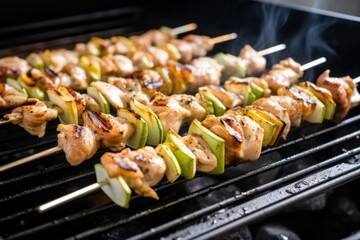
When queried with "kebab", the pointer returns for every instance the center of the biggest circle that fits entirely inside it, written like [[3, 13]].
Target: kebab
[[112, 94], [68, 115], [113, 177], [162, 75], [156, 133]]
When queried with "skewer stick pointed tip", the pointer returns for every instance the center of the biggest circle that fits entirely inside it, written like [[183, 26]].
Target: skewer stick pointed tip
[[313, 63], [5, 121], [224, 38], [71, 196], [183, 29], [272, 49], [30, 158], [356, 80], [9, 119]]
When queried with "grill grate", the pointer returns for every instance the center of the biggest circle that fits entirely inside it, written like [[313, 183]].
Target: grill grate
[[184, 210], [37, 224]]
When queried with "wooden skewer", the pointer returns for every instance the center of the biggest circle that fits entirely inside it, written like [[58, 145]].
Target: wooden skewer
[[223, 38], [356, 80], [272, 49], [58, 149], [95, 186], [183, 29], [9, 120], [312, 63], [36, 156], [71, 196]]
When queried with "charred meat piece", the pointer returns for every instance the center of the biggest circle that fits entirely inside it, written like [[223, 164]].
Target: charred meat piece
[[117, 65], [46, 79], [12, 67], [173, 111], [185, 49], [343, 90], [284, 74], [78, 77], [254, 62], [169, 111], [303, 97], [229, 99], [205, 159], [276, 109], [78, 143], [141, 168], [243, 137], [133, 89], [151, 165], [205, 71], [90, 103], [158, 56], [155, 37], [55, 59], [10, 97], [293, 107], [112, 132], [192, 105], [150, 81], [33, 116], [201, 45]]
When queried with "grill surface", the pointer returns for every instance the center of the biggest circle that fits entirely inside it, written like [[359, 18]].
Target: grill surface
[[313, 160]]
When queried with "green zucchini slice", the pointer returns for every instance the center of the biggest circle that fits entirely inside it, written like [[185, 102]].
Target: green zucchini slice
[[116, 189], [173, 170], [215, 143], [139, 137], [186, 159], [155, 129]]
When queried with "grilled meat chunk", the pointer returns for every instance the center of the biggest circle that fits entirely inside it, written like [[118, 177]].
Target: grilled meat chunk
[[243, 137], [12, 67], [343, 91], [55, 59], [293, 107], [192, 105], [303, 97], [133, 89], [155, 37], [117, 65], [201, 45], [284, 74], [151, 165], [77, 75], [33, 116], [254, 62], [185, 49], [150, 81], [173, 111], [141, 168], [10, 97], [205, 71], [276, 109], [78, 143], [112, 132], [90, 103], [159, 56], [229, 99], [205, 159]]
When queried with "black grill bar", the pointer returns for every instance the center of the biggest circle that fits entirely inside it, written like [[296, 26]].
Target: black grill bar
[[350, 174], [248, 193], [313, 135], [225, 221], [187, 197], [205, 191]]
